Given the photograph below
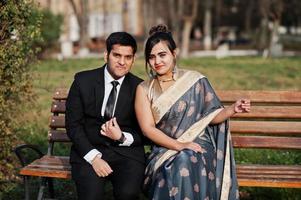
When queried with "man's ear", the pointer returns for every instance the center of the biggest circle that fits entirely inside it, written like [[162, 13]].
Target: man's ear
[[105, 56]]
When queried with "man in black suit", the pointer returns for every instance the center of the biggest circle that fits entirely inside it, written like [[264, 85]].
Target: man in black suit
[[101, 123]]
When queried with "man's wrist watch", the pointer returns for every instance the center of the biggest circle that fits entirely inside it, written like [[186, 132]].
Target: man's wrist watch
[[121, 139]]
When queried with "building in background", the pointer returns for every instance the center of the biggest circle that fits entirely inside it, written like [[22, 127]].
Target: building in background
[[103, 18]]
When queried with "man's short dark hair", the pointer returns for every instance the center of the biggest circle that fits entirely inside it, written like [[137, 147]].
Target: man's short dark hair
[[121, 38]]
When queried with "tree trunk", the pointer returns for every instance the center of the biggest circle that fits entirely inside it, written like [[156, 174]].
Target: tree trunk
[[190, 13], [148, 8], [186, 37], [274, 41], [248, 18], [84, 38], [48, 4], [141, 21], [173, 18], [146, 16], [125, 16], [105, 16], [263, 34], [218, 12], [81, 13], [207, 25], [276, 13]]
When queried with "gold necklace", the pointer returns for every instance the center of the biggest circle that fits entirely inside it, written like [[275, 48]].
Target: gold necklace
[[166, 80]]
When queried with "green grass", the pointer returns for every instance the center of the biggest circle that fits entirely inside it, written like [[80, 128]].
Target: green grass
[[250, 73]]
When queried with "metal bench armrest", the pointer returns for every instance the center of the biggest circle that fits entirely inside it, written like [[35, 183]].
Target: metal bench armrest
[[18, 151]]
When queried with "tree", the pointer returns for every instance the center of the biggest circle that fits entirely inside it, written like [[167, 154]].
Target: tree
[[218, 12], [149, 16], [50, 30], [207, 25], [271, 11], [263, 34], [81, 12], [175, 16], [248, 16], [275, 15], [180, 18], [19, 29], [189, 15]]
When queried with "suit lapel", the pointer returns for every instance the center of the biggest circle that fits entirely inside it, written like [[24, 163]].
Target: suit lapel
[[99, 91], [123, 96]]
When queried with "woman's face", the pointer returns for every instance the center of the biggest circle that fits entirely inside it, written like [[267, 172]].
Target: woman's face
[[161, 59]]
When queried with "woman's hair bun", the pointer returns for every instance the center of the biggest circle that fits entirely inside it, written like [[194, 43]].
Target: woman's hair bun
[[158, 28]]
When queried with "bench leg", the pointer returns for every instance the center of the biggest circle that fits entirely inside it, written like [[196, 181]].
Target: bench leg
[[41, 189], [50, 187], [25, 179]]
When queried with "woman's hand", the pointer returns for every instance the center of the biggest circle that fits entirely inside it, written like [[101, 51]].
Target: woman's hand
[[242, 105], [192, 146]]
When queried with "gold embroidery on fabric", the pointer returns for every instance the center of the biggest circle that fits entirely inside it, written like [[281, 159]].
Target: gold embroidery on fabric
[[208, 97], [163, 103], [226, 184]]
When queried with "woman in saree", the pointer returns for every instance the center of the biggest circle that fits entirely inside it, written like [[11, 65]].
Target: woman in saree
[[192, 156]]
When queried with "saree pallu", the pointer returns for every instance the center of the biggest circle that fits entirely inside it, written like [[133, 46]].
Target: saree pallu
[[184, 112]]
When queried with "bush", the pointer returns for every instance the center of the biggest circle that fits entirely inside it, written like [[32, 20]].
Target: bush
[[50, 29], [19, 29]]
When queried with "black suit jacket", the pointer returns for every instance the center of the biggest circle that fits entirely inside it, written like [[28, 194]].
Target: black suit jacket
[[84, 120]]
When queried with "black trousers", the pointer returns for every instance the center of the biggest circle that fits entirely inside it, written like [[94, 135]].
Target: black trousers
[[126, 179]]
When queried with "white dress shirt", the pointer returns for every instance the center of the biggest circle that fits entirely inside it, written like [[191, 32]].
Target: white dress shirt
[[108, 87]]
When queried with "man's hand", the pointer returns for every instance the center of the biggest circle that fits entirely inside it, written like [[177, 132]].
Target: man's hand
[[111, 129], [101, 167]]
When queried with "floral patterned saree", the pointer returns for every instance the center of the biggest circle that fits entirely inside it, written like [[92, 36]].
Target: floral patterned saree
[[184, 112]]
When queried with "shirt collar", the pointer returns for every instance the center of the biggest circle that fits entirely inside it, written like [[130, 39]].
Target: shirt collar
[[109, 78]]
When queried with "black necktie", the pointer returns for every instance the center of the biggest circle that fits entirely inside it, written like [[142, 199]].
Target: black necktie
[[111, 101]]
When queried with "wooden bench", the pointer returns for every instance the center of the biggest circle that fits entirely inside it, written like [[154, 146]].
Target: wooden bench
[[273, 123]]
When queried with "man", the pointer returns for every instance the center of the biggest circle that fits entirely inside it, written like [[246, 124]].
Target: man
[[101, 123]]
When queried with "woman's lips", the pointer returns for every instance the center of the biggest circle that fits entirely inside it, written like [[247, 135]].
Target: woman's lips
[[158, 66]]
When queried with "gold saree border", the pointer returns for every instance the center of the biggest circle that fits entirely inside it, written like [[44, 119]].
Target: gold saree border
[[189, 135], [226, 184], [164, 102]]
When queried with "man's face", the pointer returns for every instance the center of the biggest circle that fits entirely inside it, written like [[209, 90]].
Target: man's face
[[120, 60]]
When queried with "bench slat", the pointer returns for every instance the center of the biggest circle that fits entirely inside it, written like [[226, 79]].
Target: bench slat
[[268, 168], [58, 106], [269, 175], [289, 97], [49, 166], [267, 142], [58, 136], [288, 112], [265, 127], [275, 183], [45, 172], [60, 94], [57, 122]]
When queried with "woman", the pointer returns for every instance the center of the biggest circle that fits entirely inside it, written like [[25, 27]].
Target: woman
[[178, 110]]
